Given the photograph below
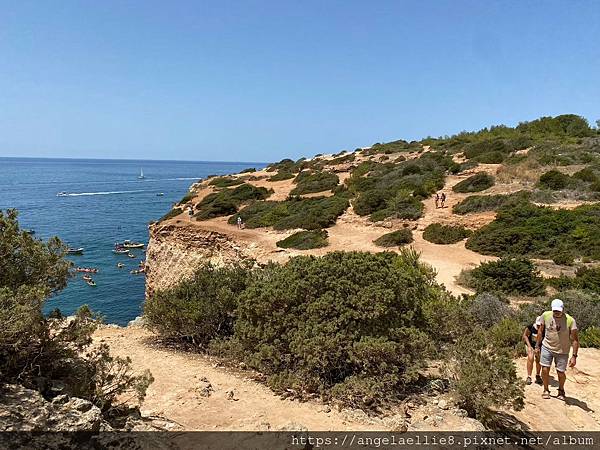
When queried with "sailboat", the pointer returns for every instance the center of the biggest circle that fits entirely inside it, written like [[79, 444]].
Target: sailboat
[[141, 177]]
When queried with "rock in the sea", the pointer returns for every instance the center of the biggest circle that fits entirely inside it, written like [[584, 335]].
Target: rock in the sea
[[139, 321]]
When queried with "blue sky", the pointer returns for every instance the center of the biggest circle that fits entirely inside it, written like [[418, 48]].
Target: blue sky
[[263, 80]]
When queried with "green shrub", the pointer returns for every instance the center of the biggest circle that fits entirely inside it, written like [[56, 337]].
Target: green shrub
[[482, 203], [507, 275], [444, 234], [584, 306], [586, 174], [173, 213], [346, 325], [540, 232], [287, 165], [281, 175], [590, 337], [554, 180], [305, 240], [507, 334], [227, 201], [475, 183], [309, 213], [308, 182], [249, 170], [52, 355], [199, 309], [186, 198], [586, 278], [484, 376], [487, 310], [402, 206], [223, 182], [491, 158], [395, 238]]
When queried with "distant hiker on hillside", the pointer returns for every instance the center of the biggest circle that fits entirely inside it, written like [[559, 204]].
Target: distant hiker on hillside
[[530, 339], [555, 336], [437, 199], [190, 212], [443, 199], [239, 222]]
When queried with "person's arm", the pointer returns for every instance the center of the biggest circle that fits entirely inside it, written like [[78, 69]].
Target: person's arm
[[540, 333], [575, 343], [526, 334]]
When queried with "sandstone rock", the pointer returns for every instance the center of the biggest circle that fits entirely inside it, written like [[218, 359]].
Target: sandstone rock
[[23, 409], [443, 404], [137, 322]]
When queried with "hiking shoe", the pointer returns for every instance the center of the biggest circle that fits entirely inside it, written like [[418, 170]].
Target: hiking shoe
[[538, 380], [528, 380], [561, 395]]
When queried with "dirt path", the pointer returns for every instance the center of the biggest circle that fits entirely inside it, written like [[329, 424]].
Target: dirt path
[[581, 411], [177, 392]]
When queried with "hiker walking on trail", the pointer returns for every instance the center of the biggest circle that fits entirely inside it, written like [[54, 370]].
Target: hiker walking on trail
[[239, 222], [530, 339], [443, 198], [555, 336], [437, 199]]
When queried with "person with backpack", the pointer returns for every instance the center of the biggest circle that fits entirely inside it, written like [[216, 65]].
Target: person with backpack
[[530, 339], [556, 335]]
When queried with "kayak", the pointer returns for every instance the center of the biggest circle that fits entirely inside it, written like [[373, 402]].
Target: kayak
[[75, 251]]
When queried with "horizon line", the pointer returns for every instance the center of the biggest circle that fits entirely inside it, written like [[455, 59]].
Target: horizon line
[[133, 159]]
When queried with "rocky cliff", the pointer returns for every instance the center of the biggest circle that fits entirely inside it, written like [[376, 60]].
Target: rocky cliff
[[175, 251]]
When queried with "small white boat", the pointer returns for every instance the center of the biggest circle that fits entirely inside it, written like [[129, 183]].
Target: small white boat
[[120, 265], [130, 244], [141, 177], [62, 194], [160, 194], [91, 283], [120, 251], [131, 255], [75, 251]]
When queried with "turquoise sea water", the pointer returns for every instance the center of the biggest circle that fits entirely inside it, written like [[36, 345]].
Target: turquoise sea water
[[106, 203]]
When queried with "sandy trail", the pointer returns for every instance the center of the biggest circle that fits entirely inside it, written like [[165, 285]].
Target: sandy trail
[[176, 393]]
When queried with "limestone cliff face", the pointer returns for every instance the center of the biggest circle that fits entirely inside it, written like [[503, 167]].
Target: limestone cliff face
[[175, 251]]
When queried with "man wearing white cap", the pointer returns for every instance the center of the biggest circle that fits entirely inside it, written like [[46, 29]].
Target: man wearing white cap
[[559, 331]]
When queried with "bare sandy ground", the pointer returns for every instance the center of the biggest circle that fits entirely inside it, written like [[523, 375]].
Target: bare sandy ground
[[196, 393]]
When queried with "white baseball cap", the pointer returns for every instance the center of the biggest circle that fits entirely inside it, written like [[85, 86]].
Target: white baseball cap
[[557, 305], [539, 320]]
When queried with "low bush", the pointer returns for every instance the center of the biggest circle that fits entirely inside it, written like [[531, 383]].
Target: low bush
[[395, 238], [186, 198], [53, 355], [484, 376], [540, 232], [173, 213], [554, 180], [308, 182], [475, 183], [348, 326], [281, 175], [309, 213], [199, 309], [223, 182], [586, 278], [227, 201], [584, 306], [487, 310], [508, 276], [444, 234], [249, 170], [305, 240], [590, 337], [402, 206]]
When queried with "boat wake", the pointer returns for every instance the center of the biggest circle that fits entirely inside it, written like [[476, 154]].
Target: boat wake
[[79, 194]]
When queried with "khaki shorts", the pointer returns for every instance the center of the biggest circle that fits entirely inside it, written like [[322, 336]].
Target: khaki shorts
[[560, 359]]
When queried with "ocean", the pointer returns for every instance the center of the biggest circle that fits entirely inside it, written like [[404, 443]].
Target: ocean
[[106, 203]]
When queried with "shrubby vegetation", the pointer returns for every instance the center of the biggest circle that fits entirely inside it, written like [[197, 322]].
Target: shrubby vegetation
[[395, 238], [586, 278], [281, 175], [399, 146], [308, 182], [223, 182], [506, 275], [444, 234], [395, 190], [355, 328], [227, 201], [173, 213], [309, 213], [52, 355], [475, 183], [541, 232], [305, 240], [481, 203]]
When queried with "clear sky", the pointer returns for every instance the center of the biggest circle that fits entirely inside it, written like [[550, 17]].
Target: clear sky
[[263, 80]]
